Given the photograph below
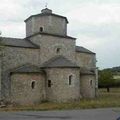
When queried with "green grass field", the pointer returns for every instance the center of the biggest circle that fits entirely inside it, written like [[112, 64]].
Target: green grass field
[[104, 100]]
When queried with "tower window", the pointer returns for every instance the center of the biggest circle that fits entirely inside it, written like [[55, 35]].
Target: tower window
[[49, 83], [70, 80], [58, 50], [41, 29], [91, 82], [33, 84]]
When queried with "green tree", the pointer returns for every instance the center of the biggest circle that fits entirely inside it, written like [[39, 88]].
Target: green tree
[[106, 79]]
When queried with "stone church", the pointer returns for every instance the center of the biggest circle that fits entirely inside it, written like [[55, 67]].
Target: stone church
[[46, 65]]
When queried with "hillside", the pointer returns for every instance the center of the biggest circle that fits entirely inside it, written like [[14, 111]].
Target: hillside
[[114, 69]]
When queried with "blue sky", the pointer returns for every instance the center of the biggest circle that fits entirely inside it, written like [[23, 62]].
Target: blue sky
[[95, 23]]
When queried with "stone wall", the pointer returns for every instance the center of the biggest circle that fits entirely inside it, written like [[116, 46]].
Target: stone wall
[[29, 27], [15, 57], [60, 90], [18, 86], [88, 89], [23, 91], [87, 86], [49, 44], [86, 60]]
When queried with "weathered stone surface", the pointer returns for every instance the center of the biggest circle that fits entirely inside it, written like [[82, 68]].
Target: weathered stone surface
[[22, 91], [85, 60], [60, 90], [16, 87], [14, 57], [49, 45], [87, 86]]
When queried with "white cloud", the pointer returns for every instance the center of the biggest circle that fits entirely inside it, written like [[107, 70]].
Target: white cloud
[[95, 13], [96, 23], [13, 30]]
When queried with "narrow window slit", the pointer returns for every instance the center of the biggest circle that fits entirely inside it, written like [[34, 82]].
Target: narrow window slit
[[70, 79], [33, 84], [49, 83], [41, 29]]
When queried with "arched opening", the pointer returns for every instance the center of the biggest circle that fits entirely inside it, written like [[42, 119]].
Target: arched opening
[[91, 82], [70, 80], [49, 83], [33, 84], [58, 50], [41, 29]]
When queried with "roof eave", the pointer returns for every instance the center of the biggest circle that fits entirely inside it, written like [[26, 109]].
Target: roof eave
[[87, 73], [15, 43], [21, 46], [46, 15], [56, 35], [86, 52], [60, 67]]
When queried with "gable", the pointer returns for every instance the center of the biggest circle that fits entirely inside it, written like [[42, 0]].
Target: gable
[[59, 61]]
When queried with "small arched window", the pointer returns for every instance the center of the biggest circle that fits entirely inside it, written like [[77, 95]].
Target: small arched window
[[33, 84], [70, 80], [91, 82], [58, 50], [41, 29], [49, 83]]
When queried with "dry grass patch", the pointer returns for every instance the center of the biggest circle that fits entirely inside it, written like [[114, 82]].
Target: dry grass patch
[[105, 99]]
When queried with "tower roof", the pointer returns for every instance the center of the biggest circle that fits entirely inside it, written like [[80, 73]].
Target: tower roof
[[46, 12]]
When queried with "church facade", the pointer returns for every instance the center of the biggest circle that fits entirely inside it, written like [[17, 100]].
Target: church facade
[[46, 65]]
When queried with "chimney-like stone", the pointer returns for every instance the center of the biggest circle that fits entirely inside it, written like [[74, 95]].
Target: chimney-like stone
[[46, 10]]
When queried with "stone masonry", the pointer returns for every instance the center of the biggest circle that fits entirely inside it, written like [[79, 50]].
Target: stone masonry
[[46, 65]]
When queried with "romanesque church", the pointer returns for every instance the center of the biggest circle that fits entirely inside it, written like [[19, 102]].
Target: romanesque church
[[46, 65]]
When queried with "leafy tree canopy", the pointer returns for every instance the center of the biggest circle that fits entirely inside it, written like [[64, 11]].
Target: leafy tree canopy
[[106, 78]]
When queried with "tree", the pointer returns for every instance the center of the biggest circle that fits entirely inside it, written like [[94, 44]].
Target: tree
[[106, 79]]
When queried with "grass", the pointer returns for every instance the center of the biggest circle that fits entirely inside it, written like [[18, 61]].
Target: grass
[[104, 100]]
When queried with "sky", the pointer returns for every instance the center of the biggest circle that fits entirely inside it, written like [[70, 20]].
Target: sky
[[95, 23]]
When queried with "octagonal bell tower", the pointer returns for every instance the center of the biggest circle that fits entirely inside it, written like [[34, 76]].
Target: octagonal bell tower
[[46, 22]]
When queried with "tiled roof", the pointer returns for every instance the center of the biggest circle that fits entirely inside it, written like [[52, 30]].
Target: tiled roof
[[26, 69], [47, 14], [60, 62], [50, 34], [83, 50], [16, 42]]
